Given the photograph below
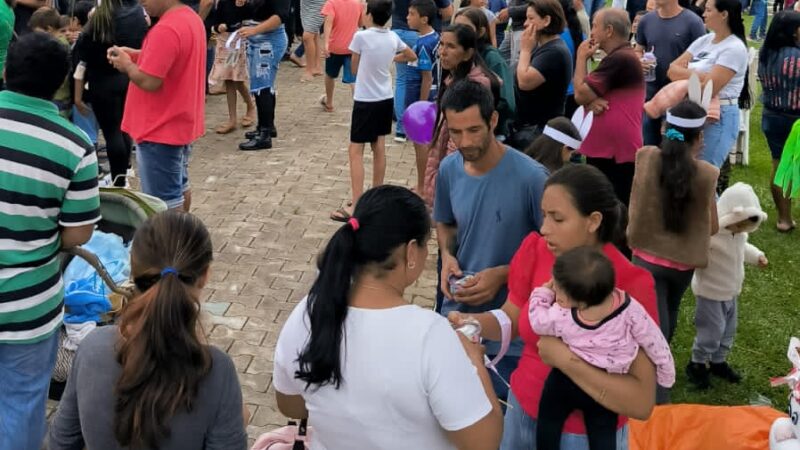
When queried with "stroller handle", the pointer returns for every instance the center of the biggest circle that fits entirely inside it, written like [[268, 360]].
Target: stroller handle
[[94, 261]]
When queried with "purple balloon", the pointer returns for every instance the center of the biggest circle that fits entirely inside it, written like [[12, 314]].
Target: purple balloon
[[419, 121]]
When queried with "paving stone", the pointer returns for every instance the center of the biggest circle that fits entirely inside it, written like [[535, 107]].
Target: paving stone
[[268, 216]]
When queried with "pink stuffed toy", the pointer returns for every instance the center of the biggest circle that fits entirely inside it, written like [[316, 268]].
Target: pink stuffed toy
[[672, 94], [290, 437]]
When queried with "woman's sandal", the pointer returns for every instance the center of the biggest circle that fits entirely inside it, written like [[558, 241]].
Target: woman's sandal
[[225, 128], [296, 60], [341, 215]]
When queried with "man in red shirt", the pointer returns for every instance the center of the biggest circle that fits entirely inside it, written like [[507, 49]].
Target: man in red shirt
[[615, 92], [165, 107]]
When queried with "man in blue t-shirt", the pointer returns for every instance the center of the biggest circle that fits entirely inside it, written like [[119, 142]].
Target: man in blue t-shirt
[[488, 199], [401, 27]]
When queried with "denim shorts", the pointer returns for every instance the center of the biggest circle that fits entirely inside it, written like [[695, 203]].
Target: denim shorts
[[719, 137], [519, 432], [164, 171], [777, 126], [264, 53], [335, 63]]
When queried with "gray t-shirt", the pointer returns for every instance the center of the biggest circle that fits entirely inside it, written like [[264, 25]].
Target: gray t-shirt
[[668, 38], [85, 415]]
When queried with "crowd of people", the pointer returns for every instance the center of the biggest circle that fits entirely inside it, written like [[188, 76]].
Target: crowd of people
[[575, 180]]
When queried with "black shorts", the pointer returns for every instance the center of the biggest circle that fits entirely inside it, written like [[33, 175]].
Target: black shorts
[[371, 120]]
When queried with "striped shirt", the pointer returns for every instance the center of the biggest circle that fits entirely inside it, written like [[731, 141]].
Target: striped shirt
[[48, 180]]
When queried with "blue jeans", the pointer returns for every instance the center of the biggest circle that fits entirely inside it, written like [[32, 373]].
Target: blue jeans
[[651, 131], [592, 6], [25, 373], [720, 136], [519, 432], [410, 38], [87, 124], [164, 171], [759, 28]]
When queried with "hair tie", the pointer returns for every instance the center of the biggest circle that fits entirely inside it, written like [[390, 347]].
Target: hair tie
[[169, 270], [353, 222], [674, 135]]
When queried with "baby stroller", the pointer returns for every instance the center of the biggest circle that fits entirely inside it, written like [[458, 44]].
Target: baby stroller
[[123, 211]]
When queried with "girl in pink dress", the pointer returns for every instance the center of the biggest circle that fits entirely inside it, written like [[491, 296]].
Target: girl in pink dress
[[605, 327]]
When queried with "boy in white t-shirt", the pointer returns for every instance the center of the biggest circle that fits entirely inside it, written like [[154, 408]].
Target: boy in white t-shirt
[[373, 52]]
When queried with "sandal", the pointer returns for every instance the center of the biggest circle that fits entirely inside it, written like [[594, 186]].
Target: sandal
[[341, 215], [225, 128], [325, 104], [296, 60]]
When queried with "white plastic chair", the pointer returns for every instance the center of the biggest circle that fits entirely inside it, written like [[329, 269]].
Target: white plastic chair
[[740, 154]]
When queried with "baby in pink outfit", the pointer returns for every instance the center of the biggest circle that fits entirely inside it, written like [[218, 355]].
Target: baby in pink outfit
[[603, 326]]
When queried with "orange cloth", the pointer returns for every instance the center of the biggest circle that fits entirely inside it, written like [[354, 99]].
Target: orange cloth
[[701, 427]]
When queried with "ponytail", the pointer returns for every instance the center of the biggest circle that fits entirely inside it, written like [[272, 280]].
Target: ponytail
[[678, 168], [161, 352], [384, 219], [327, 310]]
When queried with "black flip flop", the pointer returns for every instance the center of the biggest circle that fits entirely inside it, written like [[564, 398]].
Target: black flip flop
[[340, 215]]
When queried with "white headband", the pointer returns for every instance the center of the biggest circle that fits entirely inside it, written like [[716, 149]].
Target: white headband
[[685, 123], [561, 137]]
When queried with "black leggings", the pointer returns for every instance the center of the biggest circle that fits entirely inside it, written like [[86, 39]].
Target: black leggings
[[108, 106], [265, 106], [561, 396]]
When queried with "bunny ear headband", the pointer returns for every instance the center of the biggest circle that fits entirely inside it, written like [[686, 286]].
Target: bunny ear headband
[[701, 98], [581, 122]]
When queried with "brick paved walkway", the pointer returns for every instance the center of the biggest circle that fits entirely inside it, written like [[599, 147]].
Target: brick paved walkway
[[268, 213]]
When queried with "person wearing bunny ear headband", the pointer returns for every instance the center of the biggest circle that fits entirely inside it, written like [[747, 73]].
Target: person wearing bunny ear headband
[[615, 92], [721, 56], [560, 139], [673, 211]]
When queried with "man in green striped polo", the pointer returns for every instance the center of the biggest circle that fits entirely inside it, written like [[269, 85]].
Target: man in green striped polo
[[48, 202]]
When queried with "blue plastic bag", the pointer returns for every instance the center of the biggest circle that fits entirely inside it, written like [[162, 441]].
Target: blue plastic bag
[[85, 294]]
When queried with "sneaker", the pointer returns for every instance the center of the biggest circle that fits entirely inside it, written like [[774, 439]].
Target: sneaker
[[726, 372], [698, 375], [400, 138]]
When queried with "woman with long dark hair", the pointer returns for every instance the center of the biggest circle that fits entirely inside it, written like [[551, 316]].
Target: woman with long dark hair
[[777, 63], [506, 103], [374, 370], [543, 73], [459, 59], [720, 56], [114, 23], [151, 381], [580, 209], [673, 210]]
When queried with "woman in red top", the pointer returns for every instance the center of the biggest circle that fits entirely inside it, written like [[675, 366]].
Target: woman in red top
[[580, 208]]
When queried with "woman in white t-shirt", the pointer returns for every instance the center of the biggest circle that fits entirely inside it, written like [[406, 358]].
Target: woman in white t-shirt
[[720, 56], [369, 369]]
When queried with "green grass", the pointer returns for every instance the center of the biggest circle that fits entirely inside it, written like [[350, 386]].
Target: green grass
[[768, 305]]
